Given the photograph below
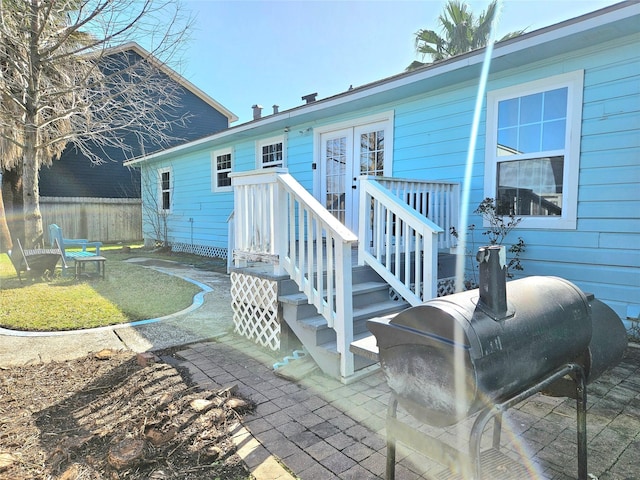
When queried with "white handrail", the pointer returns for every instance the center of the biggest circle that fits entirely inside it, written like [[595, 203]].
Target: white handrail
[[318, 258], [398, 242]]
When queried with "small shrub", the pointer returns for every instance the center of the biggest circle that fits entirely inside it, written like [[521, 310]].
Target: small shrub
[[634, 332], [499, 227]]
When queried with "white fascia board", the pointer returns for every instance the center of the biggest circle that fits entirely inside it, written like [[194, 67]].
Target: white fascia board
[[568, 28]]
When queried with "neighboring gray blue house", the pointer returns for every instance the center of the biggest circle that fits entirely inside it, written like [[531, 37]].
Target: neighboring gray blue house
[[102, 201], [74, 175], [379, 167]]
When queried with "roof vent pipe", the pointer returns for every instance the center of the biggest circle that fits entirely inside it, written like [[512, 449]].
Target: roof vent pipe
[[310, 98], [257, 111], [275, 109]]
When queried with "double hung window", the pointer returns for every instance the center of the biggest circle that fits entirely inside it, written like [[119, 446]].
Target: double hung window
[[271, 153], [533, 150], [165, 190], [221, 168]]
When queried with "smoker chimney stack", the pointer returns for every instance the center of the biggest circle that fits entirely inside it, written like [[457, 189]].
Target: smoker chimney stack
[[493, 280], [275, 109], [257, 111]]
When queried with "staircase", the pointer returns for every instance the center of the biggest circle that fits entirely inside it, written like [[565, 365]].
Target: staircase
[[370, 299], [327, 301]]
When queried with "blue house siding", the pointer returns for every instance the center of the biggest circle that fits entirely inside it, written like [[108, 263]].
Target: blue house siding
[[602, 254], [198, 216], [432, 121]]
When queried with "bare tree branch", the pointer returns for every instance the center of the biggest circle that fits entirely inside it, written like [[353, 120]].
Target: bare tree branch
[[66, 81]]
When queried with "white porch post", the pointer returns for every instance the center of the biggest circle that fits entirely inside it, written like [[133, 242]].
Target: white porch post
[[344, 309], [430, 265], [280, 226]]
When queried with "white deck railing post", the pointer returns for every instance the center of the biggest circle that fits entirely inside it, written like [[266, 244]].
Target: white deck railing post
[[344, 309]]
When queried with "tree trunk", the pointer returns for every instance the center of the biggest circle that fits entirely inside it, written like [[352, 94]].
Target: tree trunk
[[33, 231], [12, 197], [5, 238]]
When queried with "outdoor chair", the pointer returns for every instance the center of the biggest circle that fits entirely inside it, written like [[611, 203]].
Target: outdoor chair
[[80, 257], [55, 234], [36, 262]]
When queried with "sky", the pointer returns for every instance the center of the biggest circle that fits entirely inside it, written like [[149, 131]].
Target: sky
[[270, 52]]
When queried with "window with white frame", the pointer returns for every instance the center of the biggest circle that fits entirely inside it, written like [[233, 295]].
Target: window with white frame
[[271, 153], [533, 150], [221, 168], [165, 189]]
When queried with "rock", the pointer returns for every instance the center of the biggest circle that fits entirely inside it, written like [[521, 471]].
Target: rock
[[70, 473], [212, 452], [158, 475], [165, 399], [157, 438], [146, 358], [6, 460], [237, 404], [105, 354], [201, 404], [126, 453]]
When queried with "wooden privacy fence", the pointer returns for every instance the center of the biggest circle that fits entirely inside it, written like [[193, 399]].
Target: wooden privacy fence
[[108, 220]]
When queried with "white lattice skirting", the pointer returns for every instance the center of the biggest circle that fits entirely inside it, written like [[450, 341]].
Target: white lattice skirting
[[446, 286], [255, 309], [202, 250]]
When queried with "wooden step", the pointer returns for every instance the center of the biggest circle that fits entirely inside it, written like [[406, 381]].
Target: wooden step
[[365, 346], [364, 294], [361, 314]]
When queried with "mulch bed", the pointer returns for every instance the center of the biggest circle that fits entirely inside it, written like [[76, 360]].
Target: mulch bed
[[115, 416]]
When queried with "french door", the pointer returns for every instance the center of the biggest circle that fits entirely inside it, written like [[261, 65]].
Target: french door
[[345, 154]]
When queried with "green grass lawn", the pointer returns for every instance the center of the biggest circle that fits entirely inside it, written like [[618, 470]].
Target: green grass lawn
[[129, 292]]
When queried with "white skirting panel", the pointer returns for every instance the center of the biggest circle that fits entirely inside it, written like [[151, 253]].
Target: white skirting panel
[[255, 309]]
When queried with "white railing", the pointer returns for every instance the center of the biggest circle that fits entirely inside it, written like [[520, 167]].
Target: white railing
[[256, 208], [438, 201], [396, 240], [277, 220]]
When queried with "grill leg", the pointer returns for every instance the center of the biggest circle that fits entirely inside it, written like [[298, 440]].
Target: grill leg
[[392, 411], [581, 406], [497, 428], [476, 435]]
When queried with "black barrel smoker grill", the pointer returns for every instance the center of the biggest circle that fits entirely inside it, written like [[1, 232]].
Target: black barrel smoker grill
[[488, 349]]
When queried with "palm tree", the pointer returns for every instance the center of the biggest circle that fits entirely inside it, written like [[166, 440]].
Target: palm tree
[[462, 31]]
